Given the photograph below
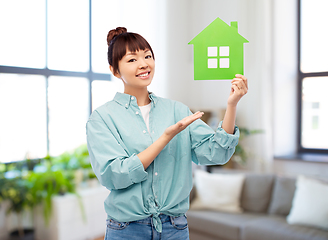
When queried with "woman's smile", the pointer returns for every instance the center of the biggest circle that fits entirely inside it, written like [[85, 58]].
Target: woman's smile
[[136, 69], [144, 75]]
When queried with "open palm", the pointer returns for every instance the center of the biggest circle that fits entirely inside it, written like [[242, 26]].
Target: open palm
[[182, 124]]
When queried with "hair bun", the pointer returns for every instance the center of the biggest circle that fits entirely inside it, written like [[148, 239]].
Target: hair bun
[[115, 32]]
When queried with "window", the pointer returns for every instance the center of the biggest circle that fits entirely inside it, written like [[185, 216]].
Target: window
[[23, 122], [54, 69], [212, 62], [50, 78], [313, 76], [223, 54]]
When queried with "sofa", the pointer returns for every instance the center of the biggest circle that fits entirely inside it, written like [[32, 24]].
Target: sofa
[[265, 203]]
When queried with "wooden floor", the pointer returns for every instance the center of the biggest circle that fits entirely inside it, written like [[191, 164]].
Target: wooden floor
[[101, 238]]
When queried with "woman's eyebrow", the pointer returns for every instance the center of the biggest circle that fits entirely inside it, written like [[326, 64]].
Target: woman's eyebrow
[[134, 53]]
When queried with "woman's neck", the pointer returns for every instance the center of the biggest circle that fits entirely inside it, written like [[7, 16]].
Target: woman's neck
[[141, 95]]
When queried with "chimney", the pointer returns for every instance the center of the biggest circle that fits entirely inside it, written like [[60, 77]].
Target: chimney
[[235, 25]]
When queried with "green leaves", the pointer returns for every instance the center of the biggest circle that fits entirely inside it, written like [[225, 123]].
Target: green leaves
[[77, 159], [47, 184], [51, 176], [17, 192], [240, 155]]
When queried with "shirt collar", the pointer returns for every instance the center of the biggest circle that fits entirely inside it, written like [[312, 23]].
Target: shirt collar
[[125, 99]]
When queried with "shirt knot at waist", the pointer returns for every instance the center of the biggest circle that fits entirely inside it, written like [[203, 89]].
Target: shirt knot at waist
[[154, 211]]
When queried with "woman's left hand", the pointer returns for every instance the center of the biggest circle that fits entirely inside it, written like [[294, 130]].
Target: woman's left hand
[[239, 88]]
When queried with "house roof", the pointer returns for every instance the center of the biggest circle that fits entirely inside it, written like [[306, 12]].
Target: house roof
[[219, 31]]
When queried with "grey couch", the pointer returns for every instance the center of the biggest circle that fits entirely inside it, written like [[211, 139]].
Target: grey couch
[[266, 200]]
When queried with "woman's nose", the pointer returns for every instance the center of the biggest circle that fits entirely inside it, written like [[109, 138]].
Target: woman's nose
[[143, 64]]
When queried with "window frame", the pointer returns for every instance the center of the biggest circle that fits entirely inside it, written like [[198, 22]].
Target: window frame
[[46, 72], [300, 76]]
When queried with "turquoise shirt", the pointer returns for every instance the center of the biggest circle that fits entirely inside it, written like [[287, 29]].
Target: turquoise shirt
[[116, 133]]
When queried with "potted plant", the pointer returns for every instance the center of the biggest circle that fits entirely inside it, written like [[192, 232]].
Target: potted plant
[[77, 161], [16, 191], [240, 155], [51, 176], [45, 185]]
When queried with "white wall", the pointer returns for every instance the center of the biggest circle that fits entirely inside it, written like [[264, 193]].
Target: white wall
[[294, 167], [178, 56], [186, 20], [285, 77], [270, 66]]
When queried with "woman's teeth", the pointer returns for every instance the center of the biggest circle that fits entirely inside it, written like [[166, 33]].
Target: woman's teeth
[[143, 75]]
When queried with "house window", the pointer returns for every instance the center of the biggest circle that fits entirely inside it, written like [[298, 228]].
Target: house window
[[212, 63], [212, 52], [53, 73], [224, 52], [54, 70], [223, 57], [312, 77], [45, 77], [224, 62]]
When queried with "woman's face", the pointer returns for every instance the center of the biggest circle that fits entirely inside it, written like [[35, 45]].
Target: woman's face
[[136, 69]]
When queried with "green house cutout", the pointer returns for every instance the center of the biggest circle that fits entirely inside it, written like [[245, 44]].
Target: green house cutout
[[218, 52]]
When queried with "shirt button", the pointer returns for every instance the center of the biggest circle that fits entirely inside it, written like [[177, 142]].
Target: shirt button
[[156, 173], [137, 112], [126, 104], [153, 131], [144, 131], [132, 98]]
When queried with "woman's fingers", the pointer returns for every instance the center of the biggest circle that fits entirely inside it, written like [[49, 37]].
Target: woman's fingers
[[241, 77], [235, 88], [239, 87], [240, 81], [188, 120], [182, 124]]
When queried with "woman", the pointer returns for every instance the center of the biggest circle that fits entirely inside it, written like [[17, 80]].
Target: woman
[[142, 146]]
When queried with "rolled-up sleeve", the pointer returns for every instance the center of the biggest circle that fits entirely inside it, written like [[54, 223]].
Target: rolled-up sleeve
[[209, 147], [112, 164]]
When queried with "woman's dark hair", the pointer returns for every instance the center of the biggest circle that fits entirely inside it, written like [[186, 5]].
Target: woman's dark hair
[[119, 40]]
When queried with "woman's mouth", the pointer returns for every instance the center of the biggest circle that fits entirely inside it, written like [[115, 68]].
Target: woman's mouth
[[143, 75]]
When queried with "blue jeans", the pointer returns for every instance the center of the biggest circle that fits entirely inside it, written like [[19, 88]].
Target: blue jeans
[[175, 228]]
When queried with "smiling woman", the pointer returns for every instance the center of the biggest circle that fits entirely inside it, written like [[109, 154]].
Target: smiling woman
[[124, 41], [136, 71], [139, 143], [132, 61]]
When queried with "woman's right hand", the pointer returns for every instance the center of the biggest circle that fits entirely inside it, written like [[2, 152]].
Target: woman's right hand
[[149, 154], [173, 130]]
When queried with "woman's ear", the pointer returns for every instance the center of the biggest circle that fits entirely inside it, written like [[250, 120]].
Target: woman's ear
[[116, 74]]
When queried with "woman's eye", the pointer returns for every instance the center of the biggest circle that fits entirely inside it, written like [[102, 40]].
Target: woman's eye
[[148, 56], [132, 60]]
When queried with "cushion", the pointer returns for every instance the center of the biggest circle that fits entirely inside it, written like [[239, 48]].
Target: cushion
[[310, 203], [256, 192], [217, 191], [219, 225], [273, 227], [282, 195]]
